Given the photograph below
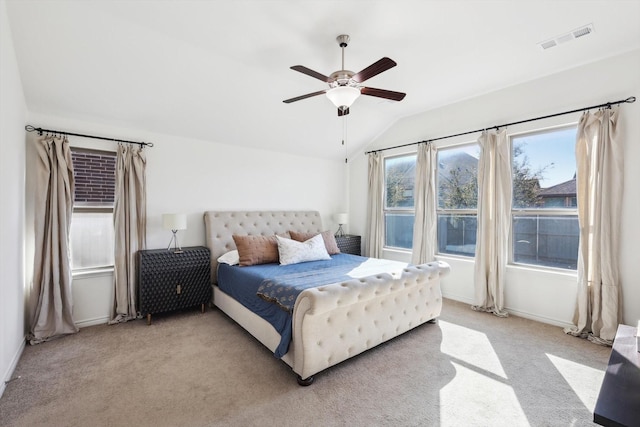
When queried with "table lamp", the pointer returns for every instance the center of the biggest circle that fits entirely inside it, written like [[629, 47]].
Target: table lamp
[[341, 219], [174, 222]]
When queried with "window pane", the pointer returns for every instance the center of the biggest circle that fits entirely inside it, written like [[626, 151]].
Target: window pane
[[398, 230], [458, 177], [544, 168], [457, 234], [400, 176], [92, 240], [550, 241]]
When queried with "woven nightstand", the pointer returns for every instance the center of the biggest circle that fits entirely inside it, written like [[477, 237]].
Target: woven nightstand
[[349, 244], [170, 281]]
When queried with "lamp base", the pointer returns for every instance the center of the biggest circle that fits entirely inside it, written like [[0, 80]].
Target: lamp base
[[340, 232], [176, 246]]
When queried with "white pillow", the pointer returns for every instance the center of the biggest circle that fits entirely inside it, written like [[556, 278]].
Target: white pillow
[[231, 258], [293, 252]]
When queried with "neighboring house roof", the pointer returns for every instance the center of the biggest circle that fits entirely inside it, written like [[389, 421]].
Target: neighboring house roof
[[567, 188], [462, 160]]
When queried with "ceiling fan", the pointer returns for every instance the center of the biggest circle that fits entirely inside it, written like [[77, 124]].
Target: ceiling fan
[[345, 86]]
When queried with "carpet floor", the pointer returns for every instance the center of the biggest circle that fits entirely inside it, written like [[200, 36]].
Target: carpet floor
[[194, 369]]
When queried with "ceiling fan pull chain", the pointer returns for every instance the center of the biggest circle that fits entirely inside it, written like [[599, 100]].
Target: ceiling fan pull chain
[[344, 137]]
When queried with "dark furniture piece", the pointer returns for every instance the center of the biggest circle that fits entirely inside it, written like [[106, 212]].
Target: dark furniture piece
[[170, 281], [349, 244], [618, 403]]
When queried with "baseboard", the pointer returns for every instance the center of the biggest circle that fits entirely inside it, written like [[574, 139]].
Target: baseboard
[[12, 368], [519, 313], [92, 322], [458, 298], [538, 318]]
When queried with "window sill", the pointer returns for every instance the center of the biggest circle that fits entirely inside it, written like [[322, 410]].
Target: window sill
[[543, 270], [92, 272], [456, 257]]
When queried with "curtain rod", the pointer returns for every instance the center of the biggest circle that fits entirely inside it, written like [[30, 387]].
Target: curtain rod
[[629, 100], [30, 128]]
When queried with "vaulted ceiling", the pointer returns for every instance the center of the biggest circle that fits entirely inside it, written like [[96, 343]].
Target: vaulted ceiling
[[219, 70]]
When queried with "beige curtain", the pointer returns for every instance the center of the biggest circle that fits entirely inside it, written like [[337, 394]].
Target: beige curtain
[[129, 219], [424, 227], [494, 221], [375, 216], [599, 179], [53, 309]]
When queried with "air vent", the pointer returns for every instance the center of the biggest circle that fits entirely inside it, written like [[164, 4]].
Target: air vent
[[548, 44], [563, 38], [584, 31]]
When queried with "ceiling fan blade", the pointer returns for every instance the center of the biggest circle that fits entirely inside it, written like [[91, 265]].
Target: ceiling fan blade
[[374, 69], [309, 95], [309, 72], [342, 112], [381, 93]]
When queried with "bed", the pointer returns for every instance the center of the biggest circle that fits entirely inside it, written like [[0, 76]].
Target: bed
[[331, 322]]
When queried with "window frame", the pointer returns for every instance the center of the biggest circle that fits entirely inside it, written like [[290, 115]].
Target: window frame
[[396, 211], [452, 211], [83, 208], [536, 212]]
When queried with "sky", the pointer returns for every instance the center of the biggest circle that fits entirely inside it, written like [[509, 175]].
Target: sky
[[555, 149]]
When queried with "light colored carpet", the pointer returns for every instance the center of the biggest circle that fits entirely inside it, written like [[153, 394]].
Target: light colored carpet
[[193, 369]]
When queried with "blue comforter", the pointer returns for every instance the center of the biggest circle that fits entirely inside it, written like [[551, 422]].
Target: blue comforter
[[270, 290]]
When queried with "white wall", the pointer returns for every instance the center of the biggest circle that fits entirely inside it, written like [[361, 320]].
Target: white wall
[[192, 176], [12, 178], [534, 293]]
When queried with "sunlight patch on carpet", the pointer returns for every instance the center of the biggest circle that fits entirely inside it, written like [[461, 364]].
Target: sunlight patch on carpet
[[477, 399], [470, 346], [585, 381]]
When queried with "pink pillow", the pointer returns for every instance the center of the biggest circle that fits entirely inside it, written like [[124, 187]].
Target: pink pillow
[[254, 250]]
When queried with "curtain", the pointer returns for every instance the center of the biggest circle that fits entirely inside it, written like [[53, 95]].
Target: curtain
[[494, 221], [53, 309], [424, 227], [599, 180], [129, 219], [375, 218]]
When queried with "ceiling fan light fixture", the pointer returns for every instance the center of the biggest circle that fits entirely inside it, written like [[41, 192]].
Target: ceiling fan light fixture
[[343, 96]]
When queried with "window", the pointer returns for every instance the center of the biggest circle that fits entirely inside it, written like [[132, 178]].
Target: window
[[544, 211], [544, 214], [92, 233], [457, 210], [399, 208]]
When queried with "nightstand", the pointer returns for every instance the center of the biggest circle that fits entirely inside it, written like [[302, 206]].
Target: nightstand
[[349, 244], [170, 281]]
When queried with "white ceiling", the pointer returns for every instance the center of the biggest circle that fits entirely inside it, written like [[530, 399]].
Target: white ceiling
[[218, 70]]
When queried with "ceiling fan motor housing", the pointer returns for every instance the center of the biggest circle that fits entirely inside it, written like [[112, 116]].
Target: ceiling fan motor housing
[[343, 40], [342, 78]]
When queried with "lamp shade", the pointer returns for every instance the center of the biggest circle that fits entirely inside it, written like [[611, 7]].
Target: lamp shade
[[341, 218], [174, 221], [343, 96]]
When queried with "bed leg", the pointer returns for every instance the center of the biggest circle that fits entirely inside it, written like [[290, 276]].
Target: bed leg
[[434, 321], [306, 382]]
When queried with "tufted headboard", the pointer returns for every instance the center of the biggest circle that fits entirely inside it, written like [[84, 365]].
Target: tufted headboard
[[220, 226]]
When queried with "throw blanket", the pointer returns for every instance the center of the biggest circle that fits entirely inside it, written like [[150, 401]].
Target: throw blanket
[[284, 290]]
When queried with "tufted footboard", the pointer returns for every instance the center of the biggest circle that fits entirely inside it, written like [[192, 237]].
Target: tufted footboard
[[335, 322]]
